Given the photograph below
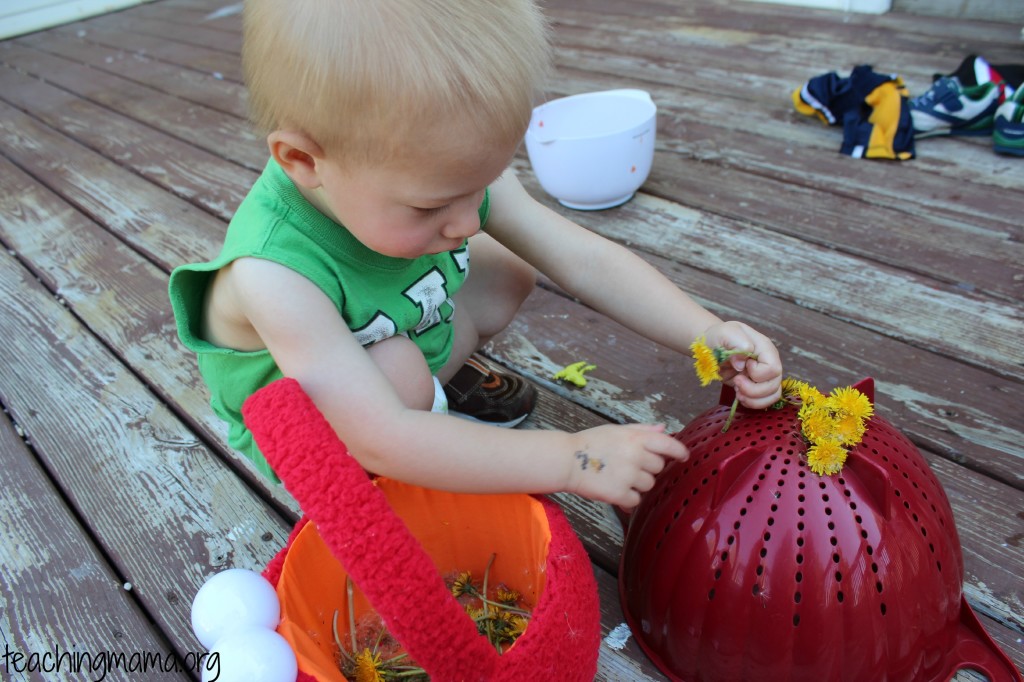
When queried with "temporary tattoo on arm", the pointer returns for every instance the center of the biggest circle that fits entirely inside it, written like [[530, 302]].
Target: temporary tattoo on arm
[[588, 462]]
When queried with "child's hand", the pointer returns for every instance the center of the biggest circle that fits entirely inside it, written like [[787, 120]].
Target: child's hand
[[615, 464], [757, 382]]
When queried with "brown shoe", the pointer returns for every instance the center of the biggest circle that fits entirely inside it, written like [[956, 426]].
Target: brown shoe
[[480, 394]]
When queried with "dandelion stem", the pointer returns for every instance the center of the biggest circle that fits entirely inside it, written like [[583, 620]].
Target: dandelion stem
[[505, 607], [732, 413], [483, 598], [349, 593], [722, 353], [337, 637]]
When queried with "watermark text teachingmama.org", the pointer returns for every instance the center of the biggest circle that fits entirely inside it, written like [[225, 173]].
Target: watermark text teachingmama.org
[[98, 664]]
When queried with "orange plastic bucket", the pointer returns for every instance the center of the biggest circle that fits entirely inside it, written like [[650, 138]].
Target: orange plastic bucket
[[397, 542], [459, 532]]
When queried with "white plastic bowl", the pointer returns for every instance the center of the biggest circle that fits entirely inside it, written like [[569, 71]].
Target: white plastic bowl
[[593, 151]]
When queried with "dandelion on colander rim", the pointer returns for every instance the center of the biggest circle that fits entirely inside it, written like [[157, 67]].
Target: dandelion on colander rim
[[831, 424]]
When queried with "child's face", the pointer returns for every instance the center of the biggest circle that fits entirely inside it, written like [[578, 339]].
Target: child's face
[[423, 203]]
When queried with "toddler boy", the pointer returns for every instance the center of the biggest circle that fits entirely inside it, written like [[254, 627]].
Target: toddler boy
[[386, 241]]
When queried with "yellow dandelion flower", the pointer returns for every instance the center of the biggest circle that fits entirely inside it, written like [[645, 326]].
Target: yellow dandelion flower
[[818, 425], [507, 595], [519, 624], [704, 362], [793, 388], [826, 458], [809, 395], [852, 403], [848, 430], [463, 584], [368, 667]]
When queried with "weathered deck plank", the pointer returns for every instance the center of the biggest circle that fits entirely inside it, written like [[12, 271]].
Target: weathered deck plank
[[216, 132], [46, 555], [78, 404]]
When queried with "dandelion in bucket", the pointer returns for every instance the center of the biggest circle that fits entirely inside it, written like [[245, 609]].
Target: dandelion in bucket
[[373, 655], [707, 361]]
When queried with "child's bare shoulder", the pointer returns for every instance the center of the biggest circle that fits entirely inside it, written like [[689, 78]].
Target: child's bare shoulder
[[235, 292]]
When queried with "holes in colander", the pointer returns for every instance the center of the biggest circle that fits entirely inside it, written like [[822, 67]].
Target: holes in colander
[[711, 594], [796, 619], [883, 608], [839, 596]]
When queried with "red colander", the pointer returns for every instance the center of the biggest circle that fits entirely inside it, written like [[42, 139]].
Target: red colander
[[743, 564]]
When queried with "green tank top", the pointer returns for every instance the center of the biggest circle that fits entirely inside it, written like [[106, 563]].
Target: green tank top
[[378, 296]]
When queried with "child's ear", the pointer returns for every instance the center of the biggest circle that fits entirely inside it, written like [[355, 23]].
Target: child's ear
[[298, 155]]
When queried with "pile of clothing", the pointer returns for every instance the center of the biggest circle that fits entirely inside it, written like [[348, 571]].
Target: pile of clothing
[[881, 121]]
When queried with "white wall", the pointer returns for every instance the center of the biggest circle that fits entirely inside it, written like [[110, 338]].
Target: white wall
[[25, 16]]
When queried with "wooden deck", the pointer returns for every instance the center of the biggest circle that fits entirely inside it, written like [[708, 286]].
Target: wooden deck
[[124, 150]]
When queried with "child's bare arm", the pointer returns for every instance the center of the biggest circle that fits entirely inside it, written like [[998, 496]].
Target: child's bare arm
[[311, 343], [620, 284]]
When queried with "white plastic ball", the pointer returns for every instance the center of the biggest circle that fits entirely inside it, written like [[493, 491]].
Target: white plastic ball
[[251, 655], [233, 599]]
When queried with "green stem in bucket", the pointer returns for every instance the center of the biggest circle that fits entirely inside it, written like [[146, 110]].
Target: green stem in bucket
[[502, 606], [337, 637], [351, 612], [483, 597]]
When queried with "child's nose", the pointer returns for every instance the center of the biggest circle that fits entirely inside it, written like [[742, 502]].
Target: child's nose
[[462, 224]]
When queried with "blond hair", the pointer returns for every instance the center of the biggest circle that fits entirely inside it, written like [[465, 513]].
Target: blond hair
[[363, 77]]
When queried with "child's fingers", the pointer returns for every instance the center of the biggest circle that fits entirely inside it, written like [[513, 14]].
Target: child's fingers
[[757, 395], [665, 446]]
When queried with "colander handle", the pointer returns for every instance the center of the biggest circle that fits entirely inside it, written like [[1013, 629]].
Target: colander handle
[[974, 649], [365, 534]]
